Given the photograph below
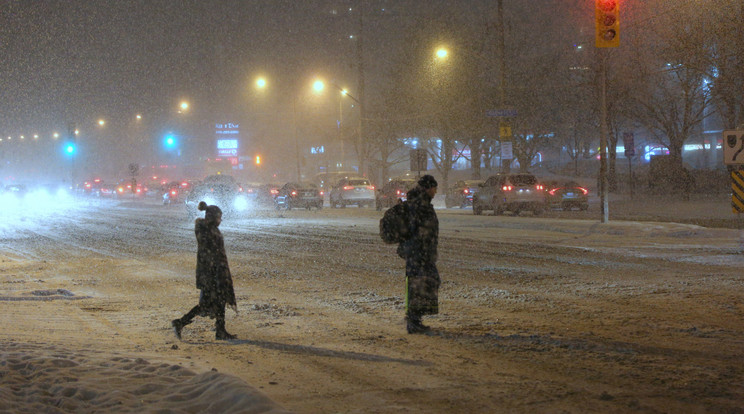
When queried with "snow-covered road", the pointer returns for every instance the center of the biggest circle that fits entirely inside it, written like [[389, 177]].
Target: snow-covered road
[[538, 314]]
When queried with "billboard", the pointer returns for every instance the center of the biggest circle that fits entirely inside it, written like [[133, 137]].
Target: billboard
[[227, 139]]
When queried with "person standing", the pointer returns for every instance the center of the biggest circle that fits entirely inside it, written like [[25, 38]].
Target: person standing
[[213, 276], [420, 252]]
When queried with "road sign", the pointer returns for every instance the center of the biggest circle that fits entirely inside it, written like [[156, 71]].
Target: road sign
[[133, 168], [629, 144], [737, 191], [502, 113], [733, 147], [506, 150]]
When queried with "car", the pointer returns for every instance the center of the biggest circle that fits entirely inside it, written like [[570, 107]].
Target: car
[[299, 194], [567, 195], [513, 192], [393, 191], [90, 187], [222, 192], [176, 192], [105, 191], [461, 194], [130, 188], [352, 191], [17, 190], [266, 194]]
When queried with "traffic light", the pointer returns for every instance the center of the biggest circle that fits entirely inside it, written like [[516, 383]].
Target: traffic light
[[170, 141], [69, 149], [607, 13]]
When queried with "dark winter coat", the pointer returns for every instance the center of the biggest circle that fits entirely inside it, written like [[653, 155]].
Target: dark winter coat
[[213, 276], [420, 252]]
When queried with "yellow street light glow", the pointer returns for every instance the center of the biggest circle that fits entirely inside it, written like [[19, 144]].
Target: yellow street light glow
[[258, 159], [441, 53], [344, 92], [36, 136], [55, 135], [318, 85], [261, 83], [184, 105], [22, 137], [138, 116], [101, 122], [77, 132]]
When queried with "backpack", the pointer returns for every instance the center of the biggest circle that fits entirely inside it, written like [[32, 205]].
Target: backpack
[[394, 224]]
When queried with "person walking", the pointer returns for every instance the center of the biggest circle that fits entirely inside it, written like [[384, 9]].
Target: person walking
[[420, 252], [213, 277]]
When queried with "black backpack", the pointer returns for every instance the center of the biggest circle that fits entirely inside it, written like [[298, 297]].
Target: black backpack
[[394, 224]]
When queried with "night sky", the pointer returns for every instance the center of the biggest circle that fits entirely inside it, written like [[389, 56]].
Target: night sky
[[77, 61]]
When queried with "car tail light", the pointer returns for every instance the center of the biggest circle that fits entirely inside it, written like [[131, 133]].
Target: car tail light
[[293, 193], [584, 190], [348, 187], [466, 191], [173, 192], [322, 193], [398, 192], [552, 192], [250, 190], [371, 187], [184, 184], [506, 188], [139, 190], [540, 187], [274, 191]]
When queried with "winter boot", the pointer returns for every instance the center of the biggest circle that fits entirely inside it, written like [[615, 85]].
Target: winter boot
[[414, 325], [177, 327], [222, 334]]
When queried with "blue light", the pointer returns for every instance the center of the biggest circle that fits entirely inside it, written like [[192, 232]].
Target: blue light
[[170, 141], [69, 149]]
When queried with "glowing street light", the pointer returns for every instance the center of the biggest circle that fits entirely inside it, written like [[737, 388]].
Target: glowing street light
[[138, 117], [184, 106], [101, 122], [441, 53], [261, 83], [55, 135], [318, 86]]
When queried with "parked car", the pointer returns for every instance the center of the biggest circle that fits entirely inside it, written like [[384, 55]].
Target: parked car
[[567, 195], [461, 194], [512, 192], [293, 195], [392, 191], [352, 191], [223, 192]]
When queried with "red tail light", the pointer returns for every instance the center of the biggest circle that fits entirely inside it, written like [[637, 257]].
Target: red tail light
[[293, 193], [173, 192], [348, 187], [540, 187], [397, 192], [322, 193], [274, 191], [184, 184], [371, 187], [552, 192], [139, 190], [466, 191], [506, 188], [584, 190]]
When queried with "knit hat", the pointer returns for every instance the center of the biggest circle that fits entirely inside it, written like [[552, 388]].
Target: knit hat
[[427, 182], [210, 212]]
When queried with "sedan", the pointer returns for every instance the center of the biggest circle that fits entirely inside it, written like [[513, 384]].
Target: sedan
[[461, 194], [567, 195], [303, 195]]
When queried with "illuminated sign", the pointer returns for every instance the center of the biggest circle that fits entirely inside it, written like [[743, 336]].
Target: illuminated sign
[[228, 139]]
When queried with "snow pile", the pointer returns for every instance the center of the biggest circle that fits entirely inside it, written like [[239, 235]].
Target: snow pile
[[52, 380]]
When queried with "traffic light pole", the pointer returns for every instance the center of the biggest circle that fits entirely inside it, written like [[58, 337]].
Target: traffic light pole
[[603, 131]]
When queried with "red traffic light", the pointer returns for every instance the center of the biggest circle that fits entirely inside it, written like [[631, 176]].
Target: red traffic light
[[607, 23]]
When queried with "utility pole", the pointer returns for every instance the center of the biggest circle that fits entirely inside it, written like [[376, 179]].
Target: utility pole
[[603, 131], [502, 81], [360, 87]]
